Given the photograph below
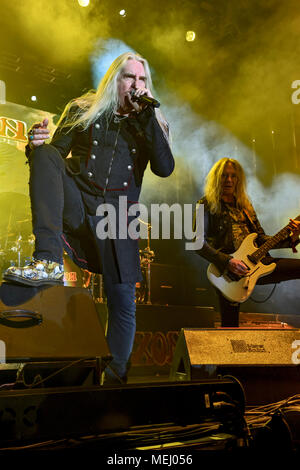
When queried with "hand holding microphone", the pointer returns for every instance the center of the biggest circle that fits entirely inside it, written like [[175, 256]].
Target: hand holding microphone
[[137, 96]]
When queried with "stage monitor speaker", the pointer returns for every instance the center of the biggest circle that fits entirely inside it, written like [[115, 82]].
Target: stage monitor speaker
[[265, 361], [50, 323]]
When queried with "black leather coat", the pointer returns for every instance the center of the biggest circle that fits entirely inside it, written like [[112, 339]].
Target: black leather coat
[[108, 160]]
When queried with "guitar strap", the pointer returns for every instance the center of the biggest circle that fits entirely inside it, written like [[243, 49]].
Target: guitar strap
[[249, 218]]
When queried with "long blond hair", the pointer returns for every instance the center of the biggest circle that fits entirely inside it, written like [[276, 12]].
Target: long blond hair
[[213, 186], [105, 100]]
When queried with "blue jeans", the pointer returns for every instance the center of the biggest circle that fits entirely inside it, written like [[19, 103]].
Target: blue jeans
[[121, 326]]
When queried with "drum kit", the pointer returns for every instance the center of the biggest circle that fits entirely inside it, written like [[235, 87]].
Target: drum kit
[[94, 282], [15, 252], [19, 250]]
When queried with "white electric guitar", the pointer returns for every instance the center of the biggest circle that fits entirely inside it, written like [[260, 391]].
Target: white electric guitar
[[239, 289]]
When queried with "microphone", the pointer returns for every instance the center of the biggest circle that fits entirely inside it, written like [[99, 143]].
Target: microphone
[[144, 99]]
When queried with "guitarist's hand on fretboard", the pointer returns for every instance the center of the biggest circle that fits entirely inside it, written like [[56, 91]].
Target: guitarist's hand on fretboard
[[237, 267], [295, 229]]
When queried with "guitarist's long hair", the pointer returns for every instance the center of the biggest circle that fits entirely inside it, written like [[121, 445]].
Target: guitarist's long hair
[[213, 186]]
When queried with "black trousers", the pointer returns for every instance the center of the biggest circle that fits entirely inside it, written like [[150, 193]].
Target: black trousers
[[55, 200], [286, 269]]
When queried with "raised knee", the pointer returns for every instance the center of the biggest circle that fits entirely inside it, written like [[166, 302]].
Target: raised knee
[[46, 153]]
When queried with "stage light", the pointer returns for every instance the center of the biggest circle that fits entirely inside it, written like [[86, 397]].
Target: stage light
[[122, 13], [83, 3], [33, 98], [190, 36]]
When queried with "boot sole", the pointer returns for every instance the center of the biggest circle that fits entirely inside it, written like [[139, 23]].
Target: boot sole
[[32, 283]]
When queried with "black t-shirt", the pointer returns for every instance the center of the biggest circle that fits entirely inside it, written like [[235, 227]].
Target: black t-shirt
[[239, 225]]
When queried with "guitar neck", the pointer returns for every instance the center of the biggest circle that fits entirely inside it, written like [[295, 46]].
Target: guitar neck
[[271, 243]]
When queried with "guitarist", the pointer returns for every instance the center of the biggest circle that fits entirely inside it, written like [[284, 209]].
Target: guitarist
[[228, 218]]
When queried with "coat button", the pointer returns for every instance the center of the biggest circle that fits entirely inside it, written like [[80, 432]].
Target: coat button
[[95, 142], [97, 125], [125, 184], [93, 157], [129, 167], [133, 151], [90, 174]]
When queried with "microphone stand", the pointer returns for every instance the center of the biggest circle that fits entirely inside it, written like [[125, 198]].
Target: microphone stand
[[149, 256]]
